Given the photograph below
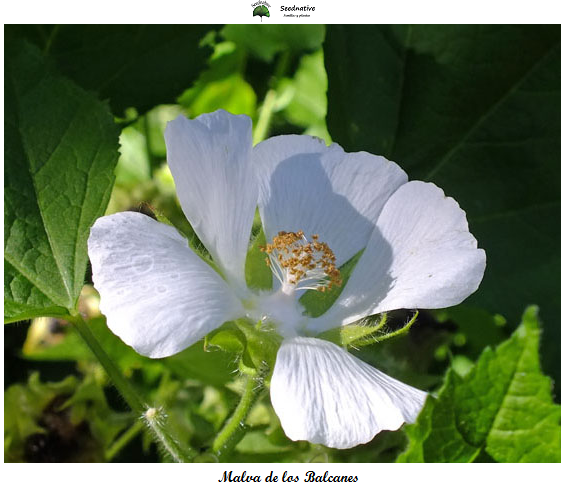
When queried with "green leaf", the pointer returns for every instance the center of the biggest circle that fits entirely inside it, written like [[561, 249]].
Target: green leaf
[[227, 338], [133, 165], [258, 273], [24, 403], [261, 344], [265, 42], [233, 94], [221, 85], [476, 110], [60, 151], [502, 406], [307, 106], [132, 65], [68, 420], [211, 367], [317, 303], [257, 442]]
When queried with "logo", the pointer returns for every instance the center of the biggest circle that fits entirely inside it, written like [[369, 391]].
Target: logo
[[261, 9]]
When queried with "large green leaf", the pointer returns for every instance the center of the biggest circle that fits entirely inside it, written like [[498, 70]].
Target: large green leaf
[[132, 65], [60, 151], [503, 406], [475, 109]]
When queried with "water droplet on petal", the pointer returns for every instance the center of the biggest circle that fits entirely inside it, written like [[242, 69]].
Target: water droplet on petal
[[142, 264]]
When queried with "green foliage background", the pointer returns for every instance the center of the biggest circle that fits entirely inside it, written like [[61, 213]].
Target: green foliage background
[[474, 109]]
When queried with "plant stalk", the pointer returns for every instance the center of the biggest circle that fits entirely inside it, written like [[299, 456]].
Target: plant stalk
[[123, 440], [269, 102], [154, 418], [264, 119], [234, 429], [121, 383]]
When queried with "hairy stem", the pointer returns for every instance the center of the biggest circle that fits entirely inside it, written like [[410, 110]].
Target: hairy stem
[[234, 429], [154, 418], [399, 332]]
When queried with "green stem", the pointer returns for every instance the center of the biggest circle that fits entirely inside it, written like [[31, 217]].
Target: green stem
[[150, 157], [234, 429], [124, 439], [124, 387], [264, 119], [268, 106], [50, 39], [154, 418]]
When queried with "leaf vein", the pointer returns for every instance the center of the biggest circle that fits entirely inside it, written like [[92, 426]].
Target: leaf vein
[[15, 264], [25, 151]]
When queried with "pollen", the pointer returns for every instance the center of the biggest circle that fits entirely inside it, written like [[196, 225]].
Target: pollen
[[300, 264]]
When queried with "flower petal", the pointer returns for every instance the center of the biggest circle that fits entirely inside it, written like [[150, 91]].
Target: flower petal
[[210, 161], [305, 185], [421, 255], [323, 394], [156, 293]]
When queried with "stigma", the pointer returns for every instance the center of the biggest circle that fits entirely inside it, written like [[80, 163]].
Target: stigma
[[300, 264]]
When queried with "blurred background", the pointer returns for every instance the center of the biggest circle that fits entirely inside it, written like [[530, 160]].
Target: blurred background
[[474, 109]]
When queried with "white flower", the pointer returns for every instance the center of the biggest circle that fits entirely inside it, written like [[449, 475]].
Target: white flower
[[160, 297]]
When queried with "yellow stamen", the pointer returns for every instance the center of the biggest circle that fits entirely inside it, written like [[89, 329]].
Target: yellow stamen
[[309, 265]]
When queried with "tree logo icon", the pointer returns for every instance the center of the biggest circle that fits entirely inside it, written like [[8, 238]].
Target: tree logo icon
[[261, 9]]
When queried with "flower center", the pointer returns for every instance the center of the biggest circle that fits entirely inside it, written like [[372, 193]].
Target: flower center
[[302, 265]]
